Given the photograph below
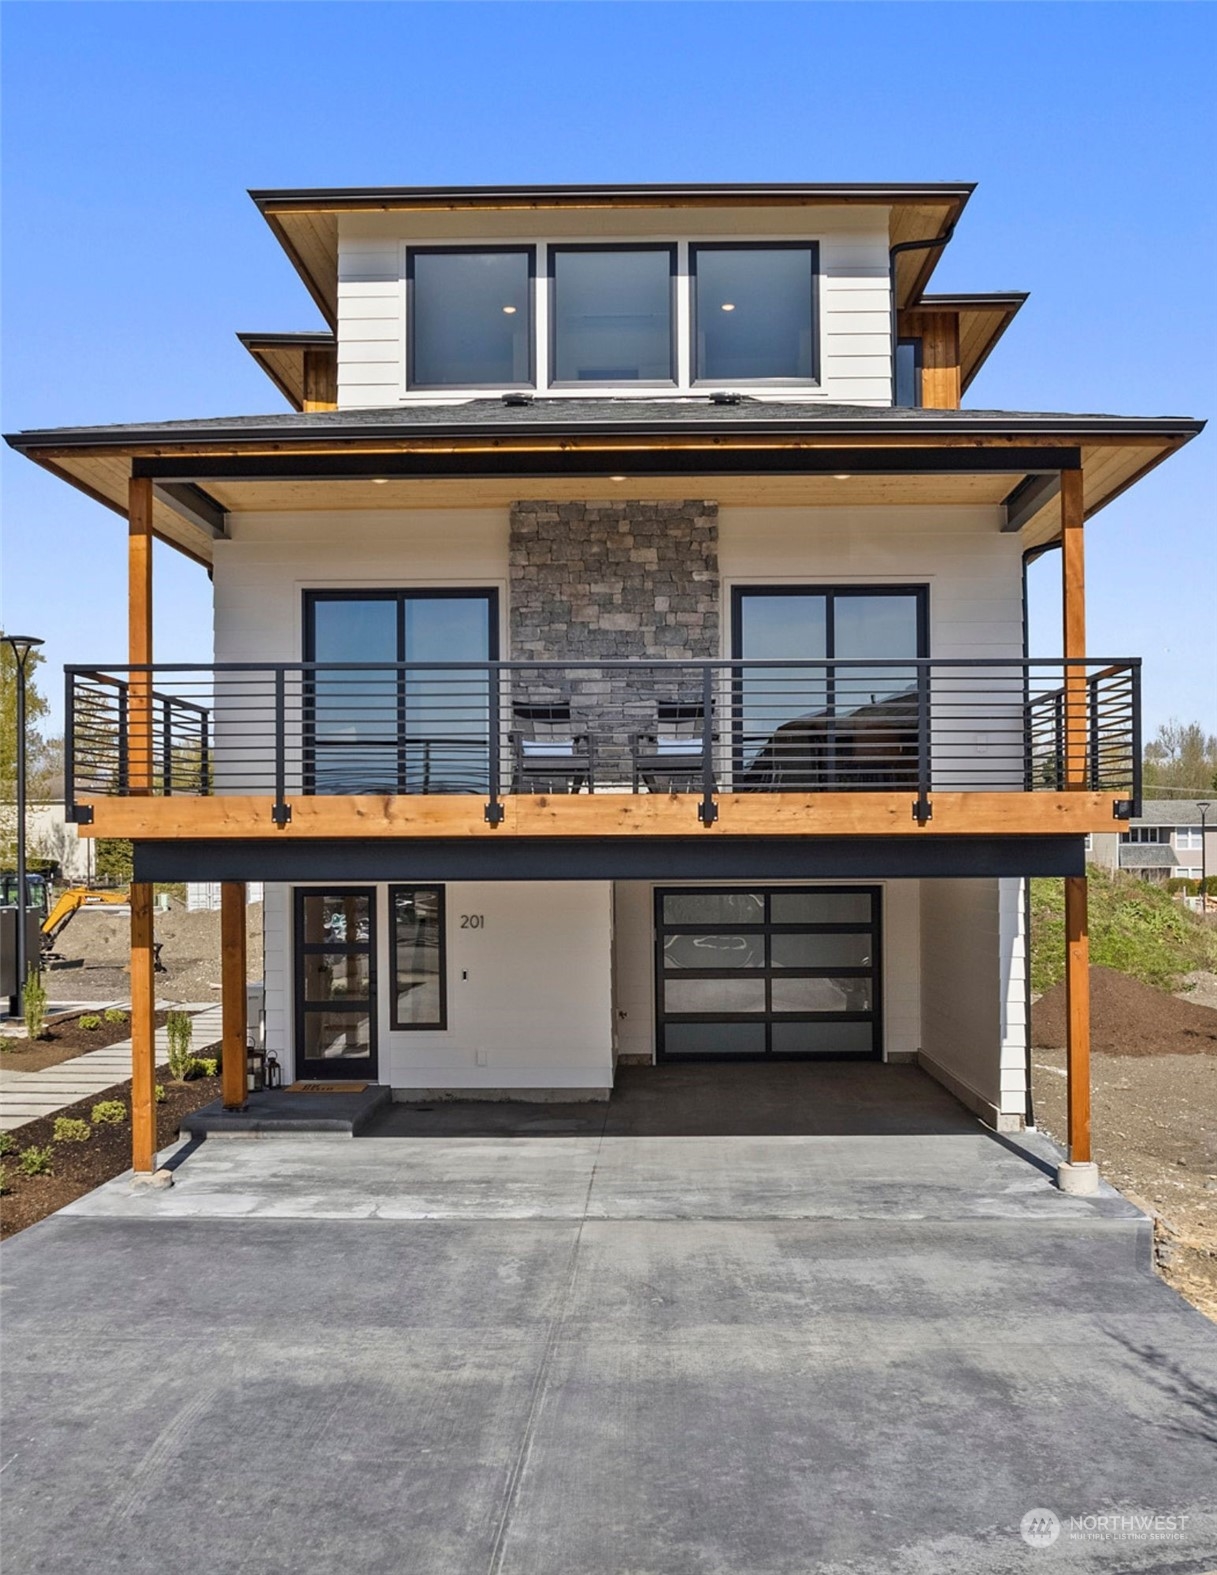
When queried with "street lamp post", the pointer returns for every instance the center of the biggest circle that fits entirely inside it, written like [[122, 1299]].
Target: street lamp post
[[1203, 806], [22, 645]]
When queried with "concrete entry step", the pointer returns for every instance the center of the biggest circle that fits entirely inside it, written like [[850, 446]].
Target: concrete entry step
[[289, 1112]]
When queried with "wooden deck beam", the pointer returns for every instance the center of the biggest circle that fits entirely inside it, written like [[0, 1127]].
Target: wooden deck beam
[[604, 815]]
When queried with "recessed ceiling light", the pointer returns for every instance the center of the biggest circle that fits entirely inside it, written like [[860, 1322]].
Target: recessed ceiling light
[[509, 310], [842, 478], [728, 306], [380, 481], [616, 478]]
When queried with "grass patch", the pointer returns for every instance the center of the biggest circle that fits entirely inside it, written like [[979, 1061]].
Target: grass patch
[[1136, 928]]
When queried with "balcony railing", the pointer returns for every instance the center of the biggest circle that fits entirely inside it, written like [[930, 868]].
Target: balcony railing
[[494, 729]]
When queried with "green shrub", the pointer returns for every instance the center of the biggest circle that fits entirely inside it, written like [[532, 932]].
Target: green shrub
[[35, 1003], [8, 1143], [109, 1113], [36, 1161], [90, 1020], [208, 1065], [160, 1094], [114, 1014], [182, 1064], [69, 1130], [3, 1179]]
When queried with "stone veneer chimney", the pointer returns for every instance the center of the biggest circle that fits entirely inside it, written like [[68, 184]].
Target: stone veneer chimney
[[605, 580]]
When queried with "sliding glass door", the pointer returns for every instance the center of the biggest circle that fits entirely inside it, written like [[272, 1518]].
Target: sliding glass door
[[399, 732], [832, 725]]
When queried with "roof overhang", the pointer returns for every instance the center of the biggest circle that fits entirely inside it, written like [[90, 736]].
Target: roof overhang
[[463, 457], [281, 357], [305, 220], [983, 319]]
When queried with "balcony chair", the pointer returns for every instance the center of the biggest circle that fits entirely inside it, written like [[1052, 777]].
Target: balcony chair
[[672, 758], [548, 756]]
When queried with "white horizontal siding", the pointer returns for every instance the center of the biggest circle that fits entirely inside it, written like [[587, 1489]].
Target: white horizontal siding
[[371, 325], [855, 322]]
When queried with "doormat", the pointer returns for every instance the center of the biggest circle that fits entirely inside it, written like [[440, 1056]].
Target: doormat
[[326, 1088]]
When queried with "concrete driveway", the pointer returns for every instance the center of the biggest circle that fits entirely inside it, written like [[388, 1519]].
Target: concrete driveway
[[607, 1351]]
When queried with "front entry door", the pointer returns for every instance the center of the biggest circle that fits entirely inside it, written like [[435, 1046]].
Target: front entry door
[[335, 933], [784, 973]]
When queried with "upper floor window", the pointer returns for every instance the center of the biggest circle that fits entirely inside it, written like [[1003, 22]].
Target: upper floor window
[[611, 314], [753, 312], [1146, 834], [908, 374], [1187, 837], [470, 321]]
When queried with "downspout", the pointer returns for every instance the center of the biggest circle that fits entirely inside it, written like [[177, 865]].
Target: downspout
[[1029, 557], [892, 253]]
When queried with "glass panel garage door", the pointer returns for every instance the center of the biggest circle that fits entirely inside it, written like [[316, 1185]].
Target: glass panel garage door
[[784, 972]]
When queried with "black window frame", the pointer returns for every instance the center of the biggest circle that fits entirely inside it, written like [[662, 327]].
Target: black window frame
[[527, 249], [440, 891], [915, 342], [920, 592], [399, 594], [553, 251], [695, 249], [768, 927], [344, 1066]]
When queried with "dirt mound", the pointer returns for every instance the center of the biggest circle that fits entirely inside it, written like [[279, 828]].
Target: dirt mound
[[1128, 1018]]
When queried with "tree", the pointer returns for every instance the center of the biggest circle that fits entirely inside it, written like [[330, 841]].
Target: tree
[[1183, 757], [44, 756]]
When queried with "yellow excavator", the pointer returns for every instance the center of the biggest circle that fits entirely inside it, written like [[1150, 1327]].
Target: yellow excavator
[[69, 903]]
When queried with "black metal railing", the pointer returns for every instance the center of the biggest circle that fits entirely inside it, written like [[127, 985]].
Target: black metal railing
[[704, 727]]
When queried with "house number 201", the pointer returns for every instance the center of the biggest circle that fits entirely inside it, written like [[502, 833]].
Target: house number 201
[[473, 921]]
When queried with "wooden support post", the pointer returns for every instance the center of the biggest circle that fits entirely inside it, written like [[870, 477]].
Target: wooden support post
[[232, 993], [1073, 607], [143, 1031], [1077, 1012], [140, 781], [140, 762]]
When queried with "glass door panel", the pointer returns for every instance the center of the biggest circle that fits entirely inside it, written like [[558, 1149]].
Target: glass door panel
[[776, 705], [335, 964], [394, 731], [839, 726], [447, 711]]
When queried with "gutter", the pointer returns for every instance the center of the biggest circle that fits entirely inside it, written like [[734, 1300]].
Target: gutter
[[322, 429]]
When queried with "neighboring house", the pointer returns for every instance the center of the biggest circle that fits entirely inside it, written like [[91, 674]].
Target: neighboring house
[[51, 836], [1163, 842], [620, 646]]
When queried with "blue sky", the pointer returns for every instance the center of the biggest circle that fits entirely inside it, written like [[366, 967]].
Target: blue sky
[[132, 254]]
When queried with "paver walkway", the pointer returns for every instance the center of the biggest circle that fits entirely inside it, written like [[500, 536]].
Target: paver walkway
[[25, 1096]]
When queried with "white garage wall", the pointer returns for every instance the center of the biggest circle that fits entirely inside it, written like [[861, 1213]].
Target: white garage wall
[[634, 929], [971, 994], [529, 990]]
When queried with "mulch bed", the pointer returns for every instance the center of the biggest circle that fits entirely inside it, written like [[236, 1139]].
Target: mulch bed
[[79, 1167], [1128, 1018], [65, 1039]]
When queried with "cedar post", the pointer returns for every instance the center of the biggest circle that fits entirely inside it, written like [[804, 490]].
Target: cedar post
[[232, 993], [1076, 741], [140, 781], [1073, 606], [1077, 1011]]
